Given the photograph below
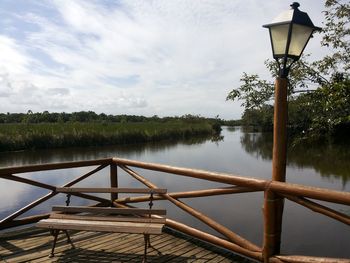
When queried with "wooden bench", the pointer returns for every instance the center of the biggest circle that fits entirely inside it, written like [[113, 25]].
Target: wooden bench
[[105, 219]]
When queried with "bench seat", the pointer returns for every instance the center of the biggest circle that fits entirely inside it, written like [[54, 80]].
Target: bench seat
[[102, 226], [106, 219]]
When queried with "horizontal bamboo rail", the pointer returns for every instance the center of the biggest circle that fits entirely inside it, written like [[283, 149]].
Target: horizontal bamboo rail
[[257, 184], [109, 190], [54, 166], [299, 194], [190, 194], [248, 182], [305, 259]]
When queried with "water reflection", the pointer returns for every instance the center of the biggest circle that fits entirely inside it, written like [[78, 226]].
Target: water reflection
[[330, 160], [257, 144], [20, 158]]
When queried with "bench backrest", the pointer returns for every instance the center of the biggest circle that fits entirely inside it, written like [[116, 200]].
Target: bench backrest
[[110, 190], [108, 210], [98, 213]]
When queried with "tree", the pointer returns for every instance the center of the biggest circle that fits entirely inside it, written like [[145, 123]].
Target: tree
[[325, 108]]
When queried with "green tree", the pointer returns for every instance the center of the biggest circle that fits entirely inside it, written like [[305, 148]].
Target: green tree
[[325, 109], [261, 117]]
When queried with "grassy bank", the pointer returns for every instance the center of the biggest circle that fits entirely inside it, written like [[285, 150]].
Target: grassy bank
[[18, 136]]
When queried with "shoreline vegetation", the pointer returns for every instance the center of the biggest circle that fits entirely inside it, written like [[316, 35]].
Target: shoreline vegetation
[[20, 131]]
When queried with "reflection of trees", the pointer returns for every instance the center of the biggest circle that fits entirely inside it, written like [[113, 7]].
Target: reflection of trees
[[90, 153], [258, 144], [233, 128], [328, 159]]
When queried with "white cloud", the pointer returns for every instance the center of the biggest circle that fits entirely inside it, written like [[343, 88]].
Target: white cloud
[[12, 59], [5, 86], [134, 57]]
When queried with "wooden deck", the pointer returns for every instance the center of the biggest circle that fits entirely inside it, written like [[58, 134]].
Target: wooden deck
[[33, 245]]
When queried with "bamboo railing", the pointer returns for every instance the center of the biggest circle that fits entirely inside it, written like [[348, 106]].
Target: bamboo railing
[[298, 194]]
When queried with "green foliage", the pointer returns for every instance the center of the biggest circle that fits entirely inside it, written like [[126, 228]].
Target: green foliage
[[332, 109], [21, 136], [325, 109], [336, 35], [259, 117], [254, 92], [300, 112]]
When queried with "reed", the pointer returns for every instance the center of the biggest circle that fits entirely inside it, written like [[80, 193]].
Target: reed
[[18, 136]]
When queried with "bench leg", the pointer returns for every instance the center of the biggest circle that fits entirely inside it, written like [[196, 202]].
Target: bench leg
[[148, 240], [68, 239], [54, 232], [147, 244]]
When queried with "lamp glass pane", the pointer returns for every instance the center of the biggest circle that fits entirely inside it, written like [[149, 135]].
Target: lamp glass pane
[[279, 36], [300, 36]]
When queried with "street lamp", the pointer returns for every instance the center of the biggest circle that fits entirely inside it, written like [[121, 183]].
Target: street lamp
[[289, 34]]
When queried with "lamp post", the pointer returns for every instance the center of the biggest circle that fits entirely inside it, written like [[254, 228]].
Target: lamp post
[[289, 35]]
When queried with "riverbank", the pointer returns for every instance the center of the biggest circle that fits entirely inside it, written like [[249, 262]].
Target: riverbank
[[24, 136]]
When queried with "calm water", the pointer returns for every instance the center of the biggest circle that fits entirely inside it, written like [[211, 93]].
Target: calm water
[[241, 153]]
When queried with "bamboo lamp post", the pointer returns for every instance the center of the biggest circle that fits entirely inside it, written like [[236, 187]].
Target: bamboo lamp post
[[289, 35]]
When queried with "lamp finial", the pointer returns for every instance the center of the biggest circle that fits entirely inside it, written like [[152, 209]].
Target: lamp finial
[[295, 5]]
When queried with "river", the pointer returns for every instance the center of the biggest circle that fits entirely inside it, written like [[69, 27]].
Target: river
[[241, 153]]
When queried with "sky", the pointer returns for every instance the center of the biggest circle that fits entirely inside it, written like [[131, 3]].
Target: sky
[[139, 57]]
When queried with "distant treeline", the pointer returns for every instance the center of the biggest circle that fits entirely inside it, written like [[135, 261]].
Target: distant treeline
[[46, 130], [81, 116], [90, 116], [231, 122]]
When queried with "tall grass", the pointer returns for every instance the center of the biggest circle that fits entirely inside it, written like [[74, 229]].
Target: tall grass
[[15, 137]]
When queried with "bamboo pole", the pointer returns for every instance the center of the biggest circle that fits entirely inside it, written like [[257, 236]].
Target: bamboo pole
[[27, 207], [23, 221], [53, 166], [28, 181], [320, 209], [274, 203], [311, 192], [114, 180], [275, 260], [189, 194], [212, 239], [77, 180], [307, 259], [271, 236], [249, 182], [279, 153], [210, 222], [258, 184], [68, 190]]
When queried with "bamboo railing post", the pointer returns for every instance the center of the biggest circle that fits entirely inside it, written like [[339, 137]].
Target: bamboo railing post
[[273, 203], [114, 180]]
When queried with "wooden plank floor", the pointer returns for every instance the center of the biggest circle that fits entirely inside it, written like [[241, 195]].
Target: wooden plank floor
[[33, 245]]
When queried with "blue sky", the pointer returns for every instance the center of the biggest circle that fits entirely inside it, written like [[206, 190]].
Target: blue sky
[[156, 57]]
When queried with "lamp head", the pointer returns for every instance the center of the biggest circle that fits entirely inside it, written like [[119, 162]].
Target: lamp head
[[289, 34]]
